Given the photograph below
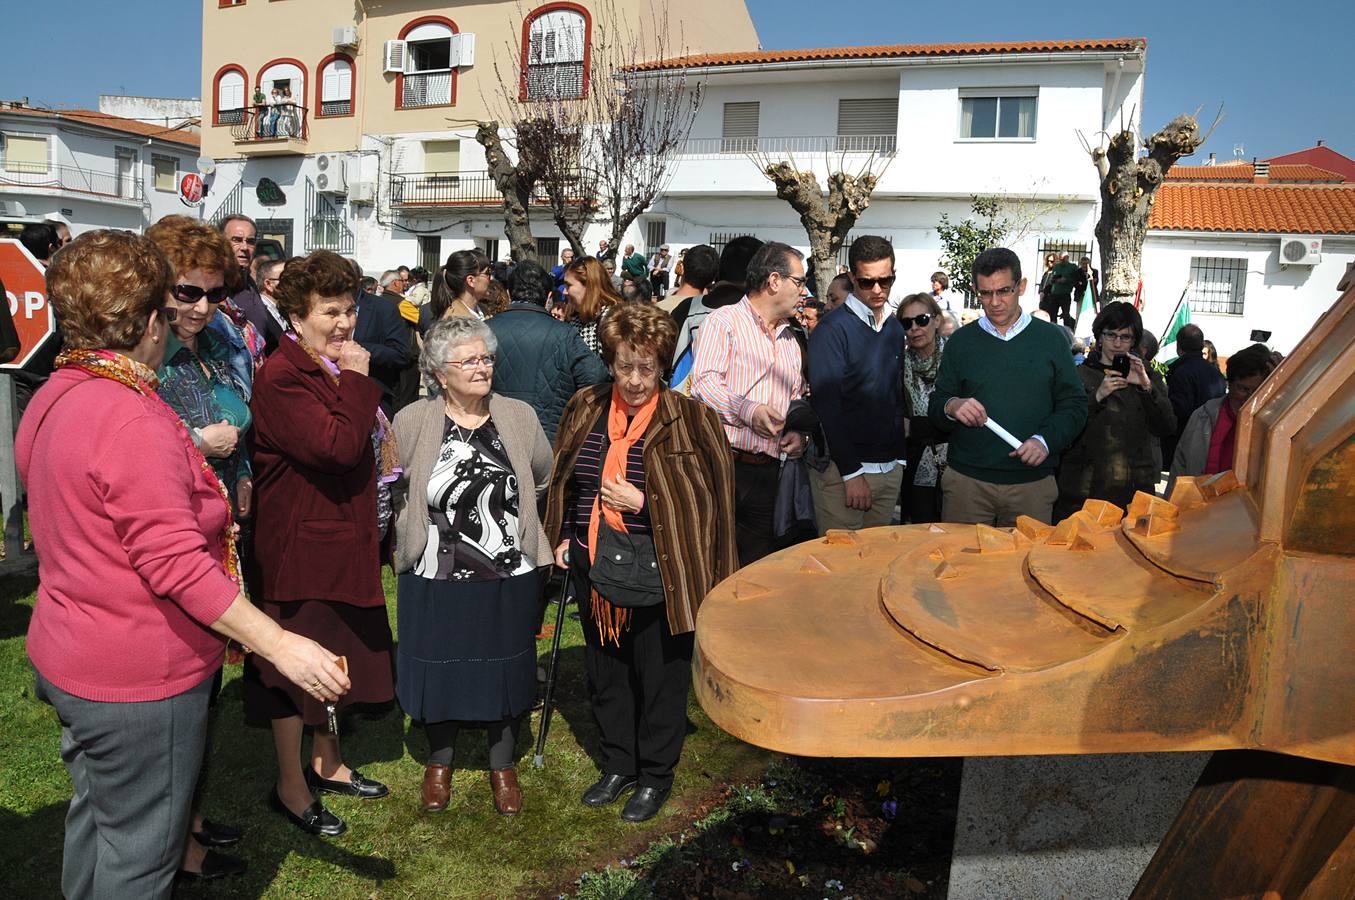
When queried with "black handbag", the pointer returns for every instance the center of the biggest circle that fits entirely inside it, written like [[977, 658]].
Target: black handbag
[[625, 569]]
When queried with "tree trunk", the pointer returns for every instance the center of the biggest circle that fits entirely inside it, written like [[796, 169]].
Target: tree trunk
[[1128, 186], [515, 184], [827, 217]]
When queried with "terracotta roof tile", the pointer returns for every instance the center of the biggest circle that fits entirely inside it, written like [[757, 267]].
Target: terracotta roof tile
[[117, 123], [892, 51], [1255, 208], [1244, 172]]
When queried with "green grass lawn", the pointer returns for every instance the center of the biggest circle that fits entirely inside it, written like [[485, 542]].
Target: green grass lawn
[[391, 848]]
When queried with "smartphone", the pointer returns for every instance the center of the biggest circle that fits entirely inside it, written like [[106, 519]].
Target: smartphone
[[1120, 364]]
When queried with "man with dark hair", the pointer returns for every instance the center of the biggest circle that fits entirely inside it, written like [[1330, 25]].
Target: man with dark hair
[[838, 291], [247, 305], [1063, 278], [810, 314], [1208, 441], [41, 240], [731, 279], [385, 335], [700, 267], [1191, 382], [63, 232], [1017, 370], [857, 394], [540, 361], [747, 368]]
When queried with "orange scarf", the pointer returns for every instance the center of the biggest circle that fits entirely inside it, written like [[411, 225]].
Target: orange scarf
[[622, 435]]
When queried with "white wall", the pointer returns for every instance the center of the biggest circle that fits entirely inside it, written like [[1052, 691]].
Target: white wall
[[1283, 300]]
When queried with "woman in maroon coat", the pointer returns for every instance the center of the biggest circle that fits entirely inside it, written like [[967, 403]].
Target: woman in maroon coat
[[323, 455]]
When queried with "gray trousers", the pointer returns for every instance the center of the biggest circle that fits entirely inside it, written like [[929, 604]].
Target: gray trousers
[[133, 767]]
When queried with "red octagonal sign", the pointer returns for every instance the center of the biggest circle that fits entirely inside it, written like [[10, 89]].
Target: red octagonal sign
[[26, 291]]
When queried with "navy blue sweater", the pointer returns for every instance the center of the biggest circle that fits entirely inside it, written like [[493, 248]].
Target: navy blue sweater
[[855, 388]]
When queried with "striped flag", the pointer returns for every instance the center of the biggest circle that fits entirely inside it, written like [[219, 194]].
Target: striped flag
[[1180, 319]]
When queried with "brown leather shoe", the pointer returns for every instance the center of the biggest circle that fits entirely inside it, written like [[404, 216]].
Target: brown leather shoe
[[507, 794], [437, 787]]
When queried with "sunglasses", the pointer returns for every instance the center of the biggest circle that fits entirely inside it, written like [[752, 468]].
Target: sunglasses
[[191, 293], [867, 284], [922, 320]]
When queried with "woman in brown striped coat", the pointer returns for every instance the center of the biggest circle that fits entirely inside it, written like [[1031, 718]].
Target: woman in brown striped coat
[[638, 458]]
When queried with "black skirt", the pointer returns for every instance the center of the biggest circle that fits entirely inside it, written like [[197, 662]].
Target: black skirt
[[467, 649]]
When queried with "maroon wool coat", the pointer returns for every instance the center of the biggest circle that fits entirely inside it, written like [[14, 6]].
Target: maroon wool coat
[[315, 534]]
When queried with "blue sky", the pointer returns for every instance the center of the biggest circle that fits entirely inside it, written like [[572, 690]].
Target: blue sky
[[1279, 69]]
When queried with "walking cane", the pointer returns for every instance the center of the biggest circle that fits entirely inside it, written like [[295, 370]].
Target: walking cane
[[539, 760]]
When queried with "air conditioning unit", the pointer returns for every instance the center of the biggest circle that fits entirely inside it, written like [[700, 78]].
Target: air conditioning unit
[[1300, 250], [396, 56], [362, 193], [345, 36], [331, 177]]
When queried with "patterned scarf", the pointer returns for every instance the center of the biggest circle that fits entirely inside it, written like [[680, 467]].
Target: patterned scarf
[[383, 439], [622, 436], [919, 376], [132, 374]]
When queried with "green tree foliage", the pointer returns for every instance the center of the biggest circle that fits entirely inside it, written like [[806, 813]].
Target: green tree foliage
[[962, 241]]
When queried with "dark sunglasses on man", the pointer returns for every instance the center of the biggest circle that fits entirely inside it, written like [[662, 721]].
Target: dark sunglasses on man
[[867, 284], [191, 293]]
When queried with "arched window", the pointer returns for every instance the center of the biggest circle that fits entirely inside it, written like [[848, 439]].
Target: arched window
[[555, 45], [287, 77], [429, 77], [229, 97], [335, 82]]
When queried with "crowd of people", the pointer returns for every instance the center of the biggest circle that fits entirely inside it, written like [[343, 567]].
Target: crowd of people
[[233, 447]]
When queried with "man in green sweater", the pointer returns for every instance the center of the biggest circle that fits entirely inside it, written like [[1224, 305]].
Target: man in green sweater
[[1019, 372]]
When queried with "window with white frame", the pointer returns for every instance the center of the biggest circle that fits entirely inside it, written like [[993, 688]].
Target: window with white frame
[[336, 88], [165, 170], [738, 131], [988, 114], [867, 125], [26, 153], [428, 73], [556, 53], [1217, 285], [230, 98]]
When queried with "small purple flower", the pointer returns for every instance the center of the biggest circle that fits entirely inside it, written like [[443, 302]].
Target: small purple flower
[[890, 808]]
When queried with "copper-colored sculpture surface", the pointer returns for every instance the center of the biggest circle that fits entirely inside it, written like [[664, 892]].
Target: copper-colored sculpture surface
[[1221, 619]]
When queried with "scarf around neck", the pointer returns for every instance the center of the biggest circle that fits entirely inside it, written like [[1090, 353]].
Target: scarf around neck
[[919, 376]]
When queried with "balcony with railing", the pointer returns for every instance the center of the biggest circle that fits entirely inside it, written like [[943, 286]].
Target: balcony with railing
[[444, 190], [426, 89], [802, 146], [74, 179], [270, 130]]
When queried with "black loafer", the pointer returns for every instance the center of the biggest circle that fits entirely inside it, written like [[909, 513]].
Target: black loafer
[[645, 804], [214, 865], [607, 789], [314, 820], [356, 786], [214, 834]]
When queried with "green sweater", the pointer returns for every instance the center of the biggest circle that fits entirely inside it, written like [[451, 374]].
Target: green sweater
[[1028, 385]]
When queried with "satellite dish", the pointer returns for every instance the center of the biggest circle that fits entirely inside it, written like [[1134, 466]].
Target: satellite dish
[[206, 165]]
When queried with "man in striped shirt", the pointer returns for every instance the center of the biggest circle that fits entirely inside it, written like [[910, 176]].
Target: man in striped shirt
[[747, 369]]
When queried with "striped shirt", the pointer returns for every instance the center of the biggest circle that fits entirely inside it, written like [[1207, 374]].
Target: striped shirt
[[741, 364], [586, 482]]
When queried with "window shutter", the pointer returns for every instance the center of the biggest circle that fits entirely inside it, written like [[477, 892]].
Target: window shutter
[[739, 131], [338, 81], [231, 91], [467, 55], [442, 156], [874, 116], [25, 154], [397, 56]]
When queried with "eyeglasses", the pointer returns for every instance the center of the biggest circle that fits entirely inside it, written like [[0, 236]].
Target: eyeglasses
[[1117, 337], [867, 284], [921, 320], [191, 293], [236, 239], [800, 281], [1003, 292], [473, 362], [168, 313], [625, 370]]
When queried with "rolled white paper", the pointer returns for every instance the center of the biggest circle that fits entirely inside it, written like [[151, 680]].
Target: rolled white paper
[[1002, 433]]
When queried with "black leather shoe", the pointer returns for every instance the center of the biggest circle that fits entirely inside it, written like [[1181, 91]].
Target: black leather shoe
[[314, 820], [214, 865], [607, 789], [356, 786], [214, 834], [645, 804]]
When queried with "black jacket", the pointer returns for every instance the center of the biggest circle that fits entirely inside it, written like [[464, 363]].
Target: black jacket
[[541, 361], [1190, 382], [385, 334]]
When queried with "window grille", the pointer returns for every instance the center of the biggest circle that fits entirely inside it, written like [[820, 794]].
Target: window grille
[[1217, 285]]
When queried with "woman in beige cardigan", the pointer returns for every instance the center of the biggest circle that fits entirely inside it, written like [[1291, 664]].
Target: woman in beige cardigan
[[469, 553]]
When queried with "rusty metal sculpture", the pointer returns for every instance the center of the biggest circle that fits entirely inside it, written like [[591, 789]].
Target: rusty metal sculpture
[[1220, 619]]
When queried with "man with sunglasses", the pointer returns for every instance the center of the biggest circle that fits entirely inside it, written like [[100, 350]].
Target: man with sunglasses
[[1017, 370], [856, 391]]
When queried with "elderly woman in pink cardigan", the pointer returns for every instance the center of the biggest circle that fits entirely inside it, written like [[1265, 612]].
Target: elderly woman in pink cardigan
[[140, 582]]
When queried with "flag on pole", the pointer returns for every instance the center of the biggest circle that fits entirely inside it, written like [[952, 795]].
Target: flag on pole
[[1180, 319], [1086, 312]]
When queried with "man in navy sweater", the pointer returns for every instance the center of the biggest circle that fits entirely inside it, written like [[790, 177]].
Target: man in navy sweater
[[855, 389]]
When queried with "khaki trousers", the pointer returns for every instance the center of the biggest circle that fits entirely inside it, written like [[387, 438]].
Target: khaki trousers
[[969, 501], [830, 499]]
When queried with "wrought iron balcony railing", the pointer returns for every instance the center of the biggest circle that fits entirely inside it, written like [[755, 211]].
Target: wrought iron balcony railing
[[78, 179], [264, 123]]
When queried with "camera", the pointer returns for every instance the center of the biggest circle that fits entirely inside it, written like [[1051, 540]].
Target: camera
[[1120, 364]]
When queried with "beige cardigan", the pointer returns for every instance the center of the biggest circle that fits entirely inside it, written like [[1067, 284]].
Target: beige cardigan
[[418, 430]]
